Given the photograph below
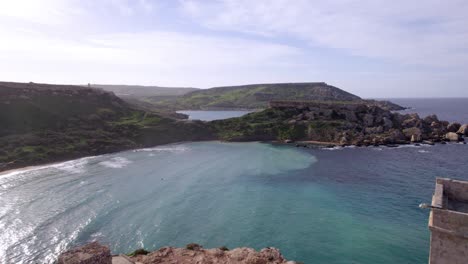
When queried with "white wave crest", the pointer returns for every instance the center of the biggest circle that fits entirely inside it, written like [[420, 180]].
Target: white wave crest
[[173, 149], [116, 163], [73, 166]]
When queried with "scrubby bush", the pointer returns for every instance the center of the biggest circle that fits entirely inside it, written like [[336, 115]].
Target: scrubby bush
[[140, 251], [193, 246], [224, 248]]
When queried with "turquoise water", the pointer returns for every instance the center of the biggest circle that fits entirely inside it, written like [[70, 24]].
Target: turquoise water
[[205, 115], [351, 205]]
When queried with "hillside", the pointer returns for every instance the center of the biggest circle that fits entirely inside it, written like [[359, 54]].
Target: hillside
[[43, 123], [143, 91], [257, 96], [148, 97]]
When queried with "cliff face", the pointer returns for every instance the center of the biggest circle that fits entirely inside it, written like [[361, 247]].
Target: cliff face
[[25, 107], [95, 253], [42, 123]]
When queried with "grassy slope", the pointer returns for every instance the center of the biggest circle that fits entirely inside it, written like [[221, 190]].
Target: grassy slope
[[144, 91], [49, 123], [256, 96], [270, 124]]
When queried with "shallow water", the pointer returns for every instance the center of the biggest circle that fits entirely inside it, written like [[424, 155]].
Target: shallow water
[[206, 115], [351, 205]]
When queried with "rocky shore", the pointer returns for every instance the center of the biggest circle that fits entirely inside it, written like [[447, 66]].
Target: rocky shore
[[365, 125], [94, 253]]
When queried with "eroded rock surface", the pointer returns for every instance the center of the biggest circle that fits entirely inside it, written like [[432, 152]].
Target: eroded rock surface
[[95, 253], [92, 253]]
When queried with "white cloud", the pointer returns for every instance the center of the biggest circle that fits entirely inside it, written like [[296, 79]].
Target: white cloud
[[150, 57], [428, 32]]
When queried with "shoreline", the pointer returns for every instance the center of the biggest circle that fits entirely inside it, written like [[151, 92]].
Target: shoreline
[[299, 143]]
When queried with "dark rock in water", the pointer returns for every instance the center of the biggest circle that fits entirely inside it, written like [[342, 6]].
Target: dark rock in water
[[417, 144], [453, 127], [391, 145], [93, 253], [443, 142]]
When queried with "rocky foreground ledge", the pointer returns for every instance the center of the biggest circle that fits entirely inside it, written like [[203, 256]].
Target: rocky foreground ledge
[[95, 253]]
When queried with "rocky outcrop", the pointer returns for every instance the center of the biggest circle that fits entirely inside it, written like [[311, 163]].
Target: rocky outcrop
[[365, 124], [92, 253], [453, 127], [463, 130], [95, 253], [451, 136]]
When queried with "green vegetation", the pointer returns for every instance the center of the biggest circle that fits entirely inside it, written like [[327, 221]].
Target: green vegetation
[[254, 96], [264, 125], [46, 123], [224, 248], [193, 246]]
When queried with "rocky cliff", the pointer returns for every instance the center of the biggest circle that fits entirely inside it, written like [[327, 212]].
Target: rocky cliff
[[340, 123], [42, 123], [94, 253]]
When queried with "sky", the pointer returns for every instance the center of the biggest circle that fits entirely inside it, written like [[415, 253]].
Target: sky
[[372, 48]]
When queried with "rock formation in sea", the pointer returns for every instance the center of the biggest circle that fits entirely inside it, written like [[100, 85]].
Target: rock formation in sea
[[340, 123], [94, 253]]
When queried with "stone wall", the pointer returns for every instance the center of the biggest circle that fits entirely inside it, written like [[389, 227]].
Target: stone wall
[[449, 225]]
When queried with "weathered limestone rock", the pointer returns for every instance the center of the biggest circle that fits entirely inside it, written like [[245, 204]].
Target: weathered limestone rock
[[453, 127], [416, 138], [463, 130], [452, 136], [430, 119], [368, 120], [409, 132], [214, 256], [92, 253], [387, 123], [374, 130]]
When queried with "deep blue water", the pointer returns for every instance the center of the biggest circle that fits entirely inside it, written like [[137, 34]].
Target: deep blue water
[[206, 115], [345, 205], [450, 109]]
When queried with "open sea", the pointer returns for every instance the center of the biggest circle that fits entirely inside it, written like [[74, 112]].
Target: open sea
[[318, 206]]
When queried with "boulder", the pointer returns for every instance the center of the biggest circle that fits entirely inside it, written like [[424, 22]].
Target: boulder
[[92, 253], [452, 136], [368, 120], [409, 132], [463, 130], [430, 119], [453, 127], [416, 138], [411, 122], [374, 130], [387, 123]]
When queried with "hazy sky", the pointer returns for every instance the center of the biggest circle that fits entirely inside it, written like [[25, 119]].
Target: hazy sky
[[373, 48]]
